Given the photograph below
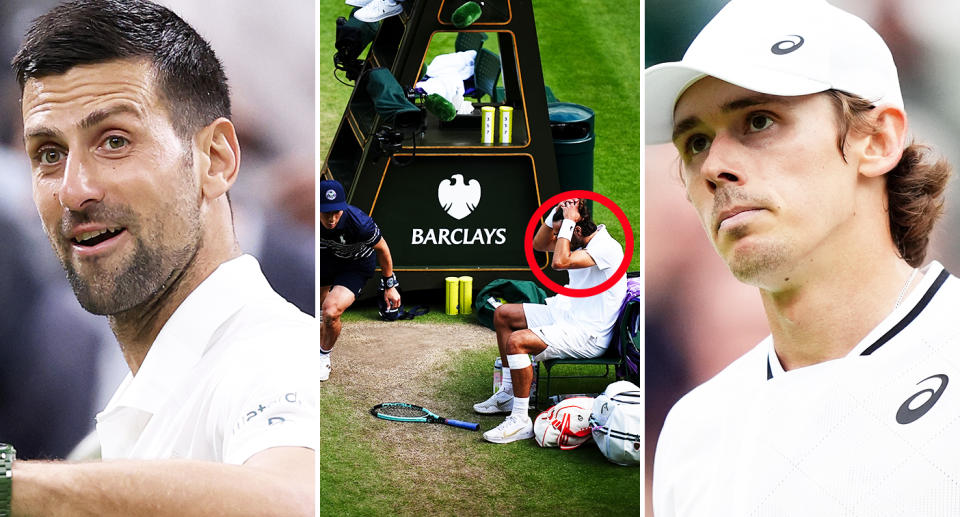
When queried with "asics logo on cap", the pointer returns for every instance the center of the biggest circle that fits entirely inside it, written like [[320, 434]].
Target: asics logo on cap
[[331, 194], [788, 45], [906, 414]]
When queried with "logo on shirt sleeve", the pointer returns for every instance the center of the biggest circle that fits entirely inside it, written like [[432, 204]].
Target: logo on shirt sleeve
[[265, 411]]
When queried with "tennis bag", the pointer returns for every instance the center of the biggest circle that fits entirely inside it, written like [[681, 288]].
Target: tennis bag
[[616, 422], [630, 366], [565, 425], [503, 290]]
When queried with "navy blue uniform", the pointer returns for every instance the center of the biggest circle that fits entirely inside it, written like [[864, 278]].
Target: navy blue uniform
[[347, 257]]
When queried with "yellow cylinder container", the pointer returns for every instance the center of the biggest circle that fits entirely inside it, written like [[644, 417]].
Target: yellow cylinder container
[[466, 294], [489, 131], [505, 124], [453, 294]]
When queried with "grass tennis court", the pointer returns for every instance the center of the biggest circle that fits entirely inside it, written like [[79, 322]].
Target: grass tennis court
[[591, 56], [369, 465]]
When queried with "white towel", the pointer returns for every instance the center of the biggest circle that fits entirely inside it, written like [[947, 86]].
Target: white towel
[[458, 64], [449, 88]]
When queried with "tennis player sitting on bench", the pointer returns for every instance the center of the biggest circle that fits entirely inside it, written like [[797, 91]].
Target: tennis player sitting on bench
[[564, 327]]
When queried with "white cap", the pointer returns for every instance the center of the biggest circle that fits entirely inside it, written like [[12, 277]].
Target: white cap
[[776, 47]]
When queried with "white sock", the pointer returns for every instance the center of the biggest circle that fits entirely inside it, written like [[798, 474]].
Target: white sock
[[520, 407], [506, 382]]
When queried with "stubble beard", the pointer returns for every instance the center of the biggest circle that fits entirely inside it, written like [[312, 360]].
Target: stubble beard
[[140, 278], [148, 270], [755, 263]]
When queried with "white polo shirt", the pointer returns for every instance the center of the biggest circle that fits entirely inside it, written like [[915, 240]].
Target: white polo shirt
[[232, 372], [594, 314], [875, 433]]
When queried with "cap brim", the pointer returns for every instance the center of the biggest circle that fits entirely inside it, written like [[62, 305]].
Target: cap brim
[[333, 207], [666, 82], [663, 84]]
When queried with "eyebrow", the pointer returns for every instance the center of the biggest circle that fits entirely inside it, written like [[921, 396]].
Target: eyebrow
[[100, 115], [91, 120], [44, 132], [737, 104]]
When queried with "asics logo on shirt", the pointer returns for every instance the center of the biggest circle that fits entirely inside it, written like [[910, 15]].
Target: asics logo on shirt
[[907, 414]]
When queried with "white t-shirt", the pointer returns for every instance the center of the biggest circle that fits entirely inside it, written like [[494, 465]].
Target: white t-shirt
[[874, 433], [232, 372], [596, 314]]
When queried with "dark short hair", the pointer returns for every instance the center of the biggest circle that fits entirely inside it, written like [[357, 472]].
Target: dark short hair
[[586, 224], [190, 78]]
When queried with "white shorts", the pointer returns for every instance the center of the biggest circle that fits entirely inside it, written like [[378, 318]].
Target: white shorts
[[563, 338]]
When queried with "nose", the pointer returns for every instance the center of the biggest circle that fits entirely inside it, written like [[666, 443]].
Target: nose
[[723, 163], [80, 185]]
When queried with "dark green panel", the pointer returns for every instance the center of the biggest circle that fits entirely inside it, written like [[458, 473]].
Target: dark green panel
[[422, 234]]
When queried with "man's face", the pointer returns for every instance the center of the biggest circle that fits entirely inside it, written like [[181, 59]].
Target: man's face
[[112, 182], [576, 241], [765, 176], [330, 219]]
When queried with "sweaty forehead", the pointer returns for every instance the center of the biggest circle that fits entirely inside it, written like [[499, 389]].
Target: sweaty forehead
[[66, 98]]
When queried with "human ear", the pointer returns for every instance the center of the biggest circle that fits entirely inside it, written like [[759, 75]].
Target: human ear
[[884, 146], [220, 150]]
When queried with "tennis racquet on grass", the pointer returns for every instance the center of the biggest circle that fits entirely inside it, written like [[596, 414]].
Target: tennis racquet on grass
[[401, 412]]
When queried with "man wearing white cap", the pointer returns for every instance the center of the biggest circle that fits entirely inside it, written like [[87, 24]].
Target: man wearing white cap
[[792, 132]]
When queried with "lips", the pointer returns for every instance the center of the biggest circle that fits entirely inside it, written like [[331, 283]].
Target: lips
[[735, 214], [94, 239]]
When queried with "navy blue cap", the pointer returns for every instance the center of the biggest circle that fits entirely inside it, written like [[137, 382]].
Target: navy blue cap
[[332, 197]]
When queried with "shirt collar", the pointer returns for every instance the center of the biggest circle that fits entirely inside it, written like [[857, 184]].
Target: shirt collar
[[186, 336], [933, 276]]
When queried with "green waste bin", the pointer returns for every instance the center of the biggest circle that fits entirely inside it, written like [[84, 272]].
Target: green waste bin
[[572, 126]]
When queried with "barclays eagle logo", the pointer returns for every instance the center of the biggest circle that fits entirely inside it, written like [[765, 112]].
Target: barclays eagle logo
[[457, 198]]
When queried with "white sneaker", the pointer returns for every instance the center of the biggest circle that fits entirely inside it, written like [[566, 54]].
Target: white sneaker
[[500, 402], [377, 10], [510, 430], [324, 367], [358, 3]]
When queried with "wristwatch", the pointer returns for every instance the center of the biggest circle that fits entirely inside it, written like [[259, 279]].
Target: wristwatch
[[388, 282], [7, 455]]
